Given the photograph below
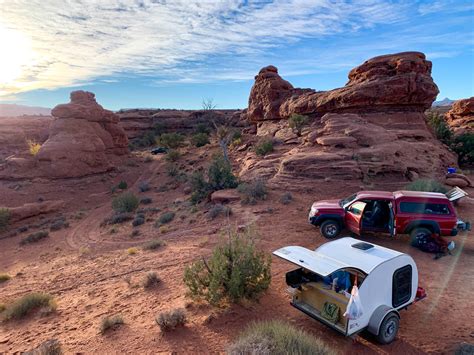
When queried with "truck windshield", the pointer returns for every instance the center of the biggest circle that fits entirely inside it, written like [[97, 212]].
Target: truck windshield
[[347, 200]]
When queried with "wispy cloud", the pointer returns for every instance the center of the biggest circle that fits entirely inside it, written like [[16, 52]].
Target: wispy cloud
[[72, 42]]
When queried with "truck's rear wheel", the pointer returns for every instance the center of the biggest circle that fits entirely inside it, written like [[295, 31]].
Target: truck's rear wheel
[[330, 229], [388, 329], [420, 232]]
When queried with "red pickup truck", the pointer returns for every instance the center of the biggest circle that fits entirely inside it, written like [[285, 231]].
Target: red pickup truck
[[399, 212]]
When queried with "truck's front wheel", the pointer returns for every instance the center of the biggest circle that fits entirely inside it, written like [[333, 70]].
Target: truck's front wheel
[[330, 229], [388, 329]]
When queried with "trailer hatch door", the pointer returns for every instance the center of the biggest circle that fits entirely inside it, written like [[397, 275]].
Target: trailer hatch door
[[312, 260]]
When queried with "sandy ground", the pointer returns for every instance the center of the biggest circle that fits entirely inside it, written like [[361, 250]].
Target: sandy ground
[[89, 272]]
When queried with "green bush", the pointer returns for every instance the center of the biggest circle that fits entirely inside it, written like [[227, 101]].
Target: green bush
[[166, 217], [111, 322], [27, 303], [173, 155], [4, 218], [203, 128], [253, 191], [236, 270], [440, 127], [427, 185], [171, 140], [264, 146], [35, 237], [171, 320], [279, 338], [200, 139], [122, 185], [463, 146], [153, 244], [126, 202], [219, 176], [297, 122]]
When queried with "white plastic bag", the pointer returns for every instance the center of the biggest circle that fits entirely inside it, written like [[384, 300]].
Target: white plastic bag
[[354, 307]]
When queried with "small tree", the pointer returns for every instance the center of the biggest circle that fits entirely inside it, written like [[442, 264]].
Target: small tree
[[208, 104], [224, 136], [236, 270], [297, 122], [463, 145]]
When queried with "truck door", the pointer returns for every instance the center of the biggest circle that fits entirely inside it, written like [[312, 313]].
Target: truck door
[[391, 222], [354, 216]]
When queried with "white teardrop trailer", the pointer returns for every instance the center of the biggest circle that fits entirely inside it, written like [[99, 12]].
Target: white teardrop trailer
[[387, 282]]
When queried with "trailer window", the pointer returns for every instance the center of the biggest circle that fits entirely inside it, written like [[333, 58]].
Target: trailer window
[[426, 208], [401, 287]]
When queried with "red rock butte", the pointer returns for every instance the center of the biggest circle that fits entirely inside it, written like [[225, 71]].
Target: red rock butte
[[461, 116], [372, 127]]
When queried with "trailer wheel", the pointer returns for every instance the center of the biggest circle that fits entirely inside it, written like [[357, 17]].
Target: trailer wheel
[[418, 231], [330, 229], [388, 329]]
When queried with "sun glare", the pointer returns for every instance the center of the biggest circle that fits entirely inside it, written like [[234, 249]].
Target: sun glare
[[16, 54]]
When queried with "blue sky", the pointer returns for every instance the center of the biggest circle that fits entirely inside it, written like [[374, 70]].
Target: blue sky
[[173, 54]]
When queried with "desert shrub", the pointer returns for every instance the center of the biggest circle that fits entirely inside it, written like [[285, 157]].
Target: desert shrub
[[138, 221], [59, 224], [199, 186], [279, 338], [236, 270], [143, 186], [173, 155], [464, 349], [132, 251], [172, 170], [111, 322], [2, 307], [440, 127], [4, 218], [48, 347], [28, 303], [171, 320], [200, 139], [286, 198], [127, 202], [264, 146], [166, 217], [427, 185], [4, 278], [122, 185], [135, 233], [203, 128], [463, 146], [171, 140], [219, 209], [146, 200], [118, 218], [153, 244], [159, 128], [22, 229], [35, 237], [297, 122], [151, 279], [253, 191], [33, 147]]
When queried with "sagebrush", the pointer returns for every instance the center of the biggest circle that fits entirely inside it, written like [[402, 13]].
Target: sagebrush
[[111, 322], [236, 270], [171, 320]]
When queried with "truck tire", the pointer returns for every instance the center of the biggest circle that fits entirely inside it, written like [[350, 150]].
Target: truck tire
[[388, 329], [418, 230], [330, 229]]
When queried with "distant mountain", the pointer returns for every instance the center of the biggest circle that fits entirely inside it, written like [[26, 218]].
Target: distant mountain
[[12, 110], [443, 102]]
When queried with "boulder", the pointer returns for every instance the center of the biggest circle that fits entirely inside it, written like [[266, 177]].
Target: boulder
[[225, 196], [35, 209], [461, 116], [456, 182]]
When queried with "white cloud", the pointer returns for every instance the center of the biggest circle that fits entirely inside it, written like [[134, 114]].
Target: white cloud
[[72, 42]]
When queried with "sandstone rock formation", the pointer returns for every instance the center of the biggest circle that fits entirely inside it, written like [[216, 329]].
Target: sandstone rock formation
[[374, 127], [84, 139], [35, 209], [461, 116]]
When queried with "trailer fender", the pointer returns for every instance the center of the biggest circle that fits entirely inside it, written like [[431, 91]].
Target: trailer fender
[[378, 316]]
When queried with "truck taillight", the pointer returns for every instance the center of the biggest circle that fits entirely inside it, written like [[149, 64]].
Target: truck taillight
[[420, 293]]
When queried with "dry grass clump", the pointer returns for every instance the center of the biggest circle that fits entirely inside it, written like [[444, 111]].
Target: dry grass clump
[[4, 278], [171, 320], [151, 280], [49, 347], [33, 147], [28, 303], [276, 337], [111, 322], [132, 251], [153, 244]]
